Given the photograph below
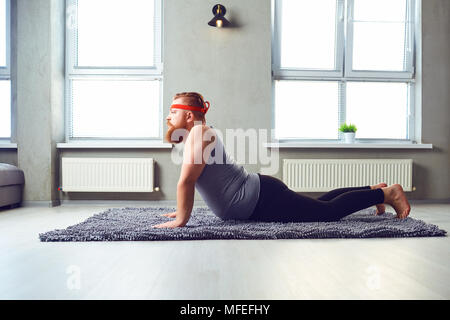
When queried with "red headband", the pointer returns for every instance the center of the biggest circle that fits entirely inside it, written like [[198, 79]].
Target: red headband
[[192, 108]]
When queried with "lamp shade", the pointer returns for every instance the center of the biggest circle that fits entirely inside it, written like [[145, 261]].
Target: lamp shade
[[219, 19]]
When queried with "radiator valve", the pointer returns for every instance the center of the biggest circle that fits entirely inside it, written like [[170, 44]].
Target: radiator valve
[[156, 188]]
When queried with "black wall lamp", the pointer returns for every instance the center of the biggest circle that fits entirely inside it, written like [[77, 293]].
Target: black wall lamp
[[219, 19]]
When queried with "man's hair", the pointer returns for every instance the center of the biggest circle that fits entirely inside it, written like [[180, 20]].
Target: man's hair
[[193, 99]]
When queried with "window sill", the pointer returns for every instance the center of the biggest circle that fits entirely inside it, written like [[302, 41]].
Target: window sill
[[114, 145], [356, 145], [8, 145]]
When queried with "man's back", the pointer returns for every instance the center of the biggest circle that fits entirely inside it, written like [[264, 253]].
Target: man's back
[[227, 188]]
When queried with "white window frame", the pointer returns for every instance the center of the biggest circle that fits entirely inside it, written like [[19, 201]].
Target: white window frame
[[343, 75], [73, 72], [294, 73], [5, 71], [407, 74]]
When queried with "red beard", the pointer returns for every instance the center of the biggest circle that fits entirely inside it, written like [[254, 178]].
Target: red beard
[[175, 134]]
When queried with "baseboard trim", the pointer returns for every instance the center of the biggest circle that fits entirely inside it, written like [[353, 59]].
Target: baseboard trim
[[430, 201], [146, 203], [40, 203]]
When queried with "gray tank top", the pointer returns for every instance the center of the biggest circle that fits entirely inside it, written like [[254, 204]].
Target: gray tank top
[[227, 188]]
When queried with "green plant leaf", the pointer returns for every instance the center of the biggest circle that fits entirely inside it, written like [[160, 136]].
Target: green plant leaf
[[348, 127]]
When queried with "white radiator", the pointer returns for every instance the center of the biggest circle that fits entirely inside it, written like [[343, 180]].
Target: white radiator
[[107, 175], [318, 175]]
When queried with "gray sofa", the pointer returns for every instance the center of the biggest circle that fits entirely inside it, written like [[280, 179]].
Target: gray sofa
[[12, 180]]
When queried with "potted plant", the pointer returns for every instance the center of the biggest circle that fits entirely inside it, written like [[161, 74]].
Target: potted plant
[[349, 132]]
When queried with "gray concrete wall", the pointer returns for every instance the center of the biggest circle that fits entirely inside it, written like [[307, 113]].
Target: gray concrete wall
[[435, 180], [231, 67], [39, 88]]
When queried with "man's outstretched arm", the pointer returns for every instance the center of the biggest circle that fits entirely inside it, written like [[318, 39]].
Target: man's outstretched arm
[[191, 169], [185, 201]]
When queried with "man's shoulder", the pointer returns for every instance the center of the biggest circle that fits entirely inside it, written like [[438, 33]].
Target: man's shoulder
[[204, 129], [203, 132]]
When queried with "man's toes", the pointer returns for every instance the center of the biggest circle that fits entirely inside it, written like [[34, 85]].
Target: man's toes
[[380, 208], [403, 214]]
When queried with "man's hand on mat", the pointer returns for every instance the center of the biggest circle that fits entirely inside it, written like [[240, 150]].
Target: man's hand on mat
[[170, 215], [170, 224]]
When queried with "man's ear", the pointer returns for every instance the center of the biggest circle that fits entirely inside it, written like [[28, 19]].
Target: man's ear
[[189, 116]]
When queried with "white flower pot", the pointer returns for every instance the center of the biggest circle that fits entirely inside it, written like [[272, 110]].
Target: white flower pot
[[349, 137]]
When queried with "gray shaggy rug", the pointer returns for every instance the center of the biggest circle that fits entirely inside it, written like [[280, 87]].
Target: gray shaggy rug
[[134, 224]]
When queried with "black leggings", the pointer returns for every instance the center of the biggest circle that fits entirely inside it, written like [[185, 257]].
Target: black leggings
[[279, 203]]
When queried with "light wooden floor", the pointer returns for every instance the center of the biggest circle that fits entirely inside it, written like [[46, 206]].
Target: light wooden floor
[[406, 268]]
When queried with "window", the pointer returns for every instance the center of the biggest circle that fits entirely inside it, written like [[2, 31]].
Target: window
[[5, 73], [114, 69], [336, 61]]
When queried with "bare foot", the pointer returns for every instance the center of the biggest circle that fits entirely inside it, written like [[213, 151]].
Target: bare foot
[[395, 196], [381, 208], [378, 186]]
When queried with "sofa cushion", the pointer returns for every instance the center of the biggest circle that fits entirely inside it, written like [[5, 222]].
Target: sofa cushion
[[10, 175]]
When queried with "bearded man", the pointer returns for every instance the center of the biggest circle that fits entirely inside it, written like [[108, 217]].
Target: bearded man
[[233, 193]]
